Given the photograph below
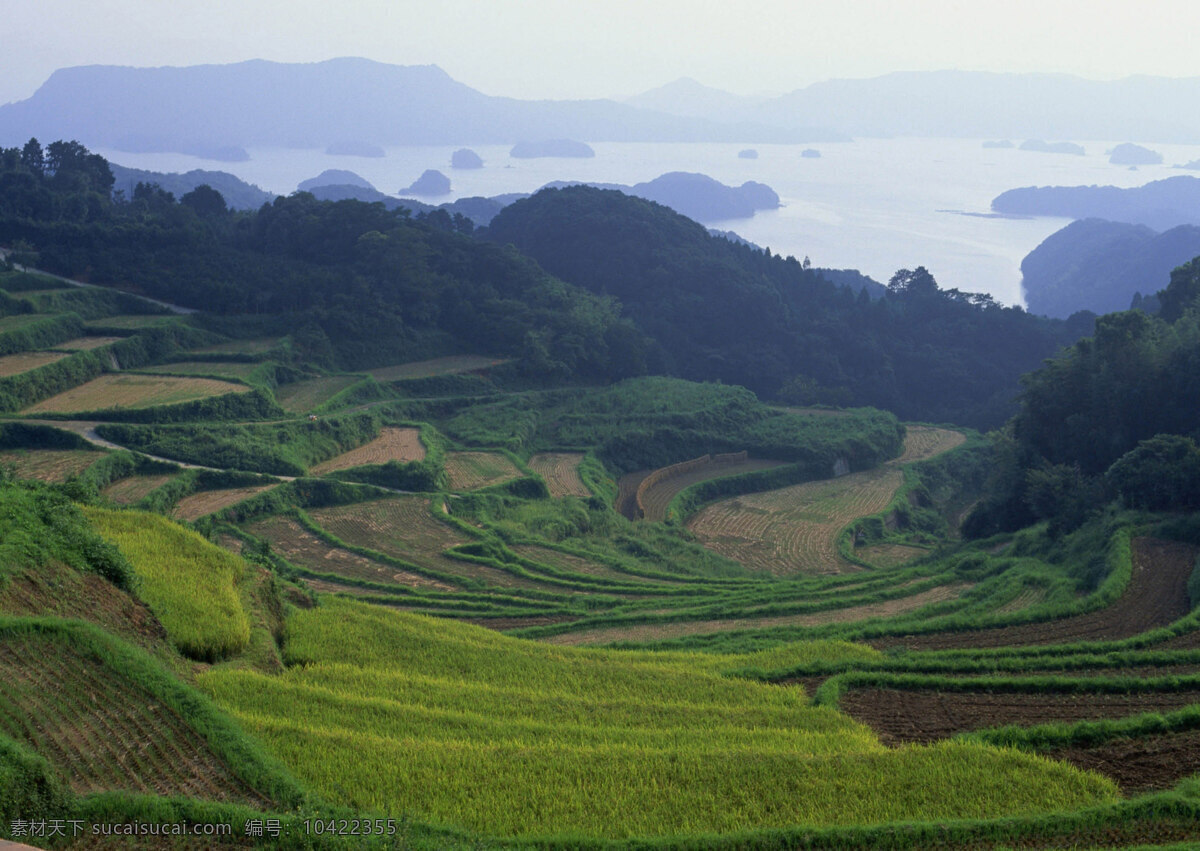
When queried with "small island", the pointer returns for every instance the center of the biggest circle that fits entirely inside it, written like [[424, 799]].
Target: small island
[[465, 158], [748, 154], [999, 143], [810, 153], [334, 177], [1131, 154], [1043, 147], [552, 148], [432, 182], [355, 149]]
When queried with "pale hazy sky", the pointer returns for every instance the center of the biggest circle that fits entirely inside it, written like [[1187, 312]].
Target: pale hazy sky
[[610, 48]]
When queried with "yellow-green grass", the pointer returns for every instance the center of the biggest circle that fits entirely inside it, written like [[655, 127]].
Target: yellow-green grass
[[473, 470], [436, 366], [126, 390], [301, 396], [189, 583], [49, 465], [462, 726], [20, 320], [220, 370], [25, 361], [86, 344]]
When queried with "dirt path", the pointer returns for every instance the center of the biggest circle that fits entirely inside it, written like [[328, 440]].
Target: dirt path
[[1155, 597]]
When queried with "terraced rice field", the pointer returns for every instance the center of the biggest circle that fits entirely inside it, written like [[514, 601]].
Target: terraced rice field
[[393, 444], [576, 564], [20, 320], [1142, 764], [304, 549], [49, 465], [86, 344], [403, 528], [627, 487], [198, 505], [661, 631], [220, 370], [302, 396], [1156, 596], [242, 347], [667, 483], [132, 321], [561, 472], [889, 555], [796, 529], [25, 361], [468, 471], [101, 730], [133, 391], [436, 366], [131, 490]]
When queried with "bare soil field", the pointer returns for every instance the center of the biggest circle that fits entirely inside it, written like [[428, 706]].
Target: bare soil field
[[101, 730], [302, 548], [889, 555], [1156, 596], [302, 396], [25, 361], [393, 444], [86, 344], [201, 504], [124, 390], [663, 485], [561, 472], [656, 632], [130, 490], [903, 715], [435, 366], [49, 465], [403, 528], [470, 471], [1142, 764]]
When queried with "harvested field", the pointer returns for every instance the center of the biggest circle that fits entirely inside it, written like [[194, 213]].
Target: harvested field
[[436, 366], [657, 490], [561, 472], [1142, 764], [49, 465], [403, 528], [903, 715], [889, 555], [393, 444], [132, 321], [25, 361], [202, 504], [1156, 596], [627, 487], [205, 368], [796, 529], [242, 347], [125, 390], [1028, 597], [304, 549], [101, 730], [302, 396], [661, 631], [130, 490], [468, 471], [575, 564], [86, 344], [20, 320]]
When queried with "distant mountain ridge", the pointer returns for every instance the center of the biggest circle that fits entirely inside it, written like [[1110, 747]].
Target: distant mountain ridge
[[260, 103], [1159, 204]]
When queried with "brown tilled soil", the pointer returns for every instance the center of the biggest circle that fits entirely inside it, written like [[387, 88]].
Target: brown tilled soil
[[101, 730], [209, 502], [561, 472], [658, 496], [473, 470], [49, 465], [130, 490], [902, 715], [1156, 596], [393, 444], [1142, 764]]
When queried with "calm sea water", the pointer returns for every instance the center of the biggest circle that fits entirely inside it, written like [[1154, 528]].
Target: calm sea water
[[876, 205]]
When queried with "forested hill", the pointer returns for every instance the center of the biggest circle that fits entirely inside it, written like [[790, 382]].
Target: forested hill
[[720, 310]]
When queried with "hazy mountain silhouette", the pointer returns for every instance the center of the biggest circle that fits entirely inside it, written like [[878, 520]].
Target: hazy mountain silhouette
[[1160, 204]]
